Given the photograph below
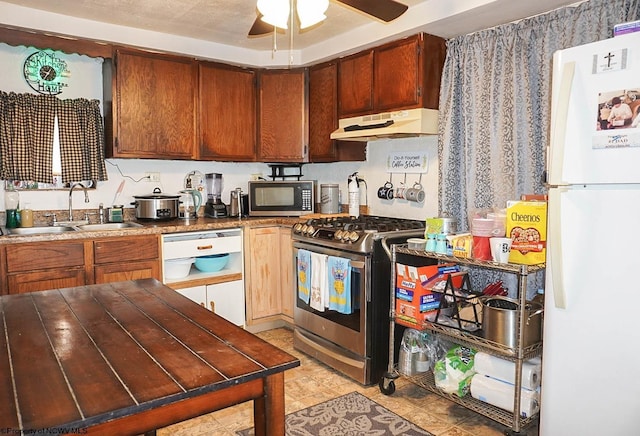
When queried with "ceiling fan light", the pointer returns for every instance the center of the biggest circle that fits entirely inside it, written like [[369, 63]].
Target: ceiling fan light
[[274, 12], [311, 12]]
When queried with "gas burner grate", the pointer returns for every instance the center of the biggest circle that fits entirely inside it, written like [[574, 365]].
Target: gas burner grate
[[368, 223]]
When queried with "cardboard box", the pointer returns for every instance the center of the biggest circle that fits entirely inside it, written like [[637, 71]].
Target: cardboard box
[[527, 228], [413, 300], [461, 245]]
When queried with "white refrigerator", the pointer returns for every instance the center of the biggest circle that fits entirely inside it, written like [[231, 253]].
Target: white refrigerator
[[591, 353]]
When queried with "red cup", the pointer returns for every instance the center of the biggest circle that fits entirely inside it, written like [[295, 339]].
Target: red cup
[[482, 248]]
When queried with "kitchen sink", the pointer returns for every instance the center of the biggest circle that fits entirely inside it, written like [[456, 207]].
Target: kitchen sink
[[108, 226], [21, 231]]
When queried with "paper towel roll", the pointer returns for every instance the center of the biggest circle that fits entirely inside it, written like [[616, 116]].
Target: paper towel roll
[[505, 370], [501, 394]]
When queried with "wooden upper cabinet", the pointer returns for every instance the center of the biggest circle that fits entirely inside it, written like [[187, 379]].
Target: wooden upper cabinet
[[407, 73], [323, 114], [355, 84], [282, 116], [403, 74], [155, 106], [227, 111], [323, 118]]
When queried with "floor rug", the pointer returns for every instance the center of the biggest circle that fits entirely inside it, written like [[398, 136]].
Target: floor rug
[[352, 414]]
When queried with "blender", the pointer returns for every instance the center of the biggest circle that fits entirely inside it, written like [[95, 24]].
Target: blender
[[214, 208]]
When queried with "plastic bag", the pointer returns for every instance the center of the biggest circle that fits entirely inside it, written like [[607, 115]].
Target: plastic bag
[[418, 352], [454, 371]]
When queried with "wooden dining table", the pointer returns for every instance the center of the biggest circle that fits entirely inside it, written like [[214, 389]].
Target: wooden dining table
[[129, 358]]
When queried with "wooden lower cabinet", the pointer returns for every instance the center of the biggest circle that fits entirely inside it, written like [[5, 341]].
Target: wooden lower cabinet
[[270, 275], [38, 266], [117, 272], [45, 279], [130, 258]]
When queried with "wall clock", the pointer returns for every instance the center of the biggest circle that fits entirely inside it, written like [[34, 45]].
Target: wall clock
[[46, 72]]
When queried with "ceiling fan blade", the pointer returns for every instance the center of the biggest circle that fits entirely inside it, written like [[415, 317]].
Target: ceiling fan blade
[[385, 10], [260, 28]]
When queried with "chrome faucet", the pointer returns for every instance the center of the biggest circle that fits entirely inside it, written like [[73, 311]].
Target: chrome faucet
[[86, 197]]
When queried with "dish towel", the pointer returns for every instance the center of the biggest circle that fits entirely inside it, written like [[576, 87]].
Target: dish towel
[[339, 277], [319, 287], [304, 275]]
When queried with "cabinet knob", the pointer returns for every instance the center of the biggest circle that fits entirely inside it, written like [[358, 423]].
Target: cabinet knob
[[213, 306]]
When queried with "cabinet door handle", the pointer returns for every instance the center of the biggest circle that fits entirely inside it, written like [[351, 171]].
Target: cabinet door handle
[[213, 306], [205, 247]]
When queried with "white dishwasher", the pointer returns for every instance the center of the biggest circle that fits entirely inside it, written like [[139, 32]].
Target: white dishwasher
[[222, 291]]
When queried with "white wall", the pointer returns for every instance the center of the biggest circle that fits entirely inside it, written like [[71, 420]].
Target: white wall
[[172, 174], [374, 172]]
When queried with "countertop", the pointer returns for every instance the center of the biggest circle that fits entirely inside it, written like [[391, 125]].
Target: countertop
[[150, 227]]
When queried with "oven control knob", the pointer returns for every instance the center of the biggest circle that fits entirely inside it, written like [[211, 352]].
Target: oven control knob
[[338, 235], [353, 236], [303, 230], [310, 230], [297, 228]]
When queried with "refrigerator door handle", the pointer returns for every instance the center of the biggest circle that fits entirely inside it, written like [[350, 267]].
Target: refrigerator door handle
[[560, 109], [555, 247]]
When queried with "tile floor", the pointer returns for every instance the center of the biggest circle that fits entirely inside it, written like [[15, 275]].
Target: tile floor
[[313, 382]]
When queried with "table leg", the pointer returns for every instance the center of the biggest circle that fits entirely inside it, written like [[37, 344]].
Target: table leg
[[268, 411]]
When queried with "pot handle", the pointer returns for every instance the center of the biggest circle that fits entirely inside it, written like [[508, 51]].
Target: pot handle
[[537, 312], [134, 203]]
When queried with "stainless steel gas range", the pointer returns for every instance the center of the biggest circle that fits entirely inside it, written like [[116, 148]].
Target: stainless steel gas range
[[354, 337]]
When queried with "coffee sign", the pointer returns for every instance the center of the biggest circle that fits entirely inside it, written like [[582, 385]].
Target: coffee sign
[[408, 162]]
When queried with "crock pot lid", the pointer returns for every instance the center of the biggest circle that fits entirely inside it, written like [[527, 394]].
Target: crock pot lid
[[156, 196]]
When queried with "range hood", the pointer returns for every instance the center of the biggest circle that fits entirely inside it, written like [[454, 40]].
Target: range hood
[[398, 124]]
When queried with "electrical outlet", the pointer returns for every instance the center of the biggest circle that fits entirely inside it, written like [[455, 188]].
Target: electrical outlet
[[152, 177]]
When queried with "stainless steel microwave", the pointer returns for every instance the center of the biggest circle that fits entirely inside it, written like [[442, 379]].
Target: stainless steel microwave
[[282, 198]]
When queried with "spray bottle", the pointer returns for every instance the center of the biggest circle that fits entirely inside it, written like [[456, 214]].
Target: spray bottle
[[353, 183]]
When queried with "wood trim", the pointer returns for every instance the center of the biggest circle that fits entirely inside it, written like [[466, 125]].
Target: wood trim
[[67, 44], [4, 286], [182, 410], [212, 280], [89, 273]]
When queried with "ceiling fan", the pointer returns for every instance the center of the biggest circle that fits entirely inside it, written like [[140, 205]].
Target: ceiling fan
[[384, 10]]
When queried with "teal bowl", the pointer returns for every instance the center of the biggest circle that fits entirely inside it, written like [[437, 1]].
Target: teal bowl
[[211, 263]]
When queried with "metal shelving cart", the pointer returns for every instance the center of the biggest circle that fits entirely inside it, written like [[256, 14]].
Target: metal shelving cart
[[516, 354]]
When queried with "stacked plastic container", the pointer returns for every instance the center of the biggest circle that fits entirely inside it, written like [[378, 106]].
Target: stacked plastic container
[[484, 226]]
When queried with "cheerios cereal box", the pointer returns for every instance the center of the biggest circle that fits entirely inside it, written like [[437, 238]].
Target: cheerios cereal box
[[527, 227]]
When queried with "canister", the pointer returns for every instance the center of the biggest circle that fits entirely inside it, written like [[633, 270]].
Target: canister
[[329, 198]]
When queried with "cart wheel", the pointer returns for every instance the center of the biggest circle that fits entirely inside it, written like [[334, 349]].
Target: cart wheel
[[387, 386], [511, 432]]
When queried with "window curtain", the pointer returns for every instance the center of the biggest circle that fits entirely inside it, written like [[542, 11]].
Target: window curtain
[[495, 103], [26, 138], [81, 140]]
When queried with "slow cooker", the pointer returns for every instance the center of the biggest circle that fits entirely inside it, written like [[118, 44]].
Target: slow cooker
[[156, 206]]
